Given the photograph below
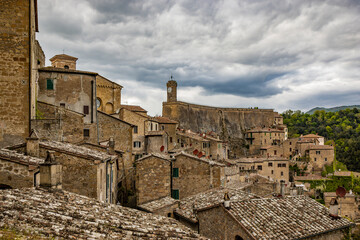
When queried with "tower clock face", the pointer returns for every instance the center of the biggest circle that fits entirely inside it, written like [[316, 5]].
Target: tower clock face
[[169, 90]]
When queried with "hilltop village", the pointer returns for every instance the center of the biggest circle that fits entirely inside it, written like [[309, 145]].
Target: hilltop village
[[75, 162]]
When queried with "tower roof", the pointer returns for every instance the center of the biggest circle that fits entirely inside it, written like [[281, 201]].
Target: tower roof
[[63, 57]]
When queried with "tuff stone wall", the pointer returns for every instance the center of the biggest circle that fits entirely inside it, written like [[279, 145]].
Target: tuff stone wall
[[17, 37], [229, 123], [200, 174], [16, 175], [153, 179], [227, 228], [109, 95], [58, 123]]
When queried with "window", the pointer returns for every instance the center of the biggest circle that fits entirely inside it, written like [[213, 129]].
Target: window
[[178, 140], [62, 105], [314, 159], [259, 167], [317, 152], [86, 110], [66, 67], [282, 173], [151, 126], [272, 171], [290, 143], [325, 159], [290, 149], [175, 193], [283, 165], [279, 164], [270, 164], [275, 152], [171, 139], [135, 129], [175, 172], [219, 145], [49, 84], [163, 127], [137, 144], [86, 132]]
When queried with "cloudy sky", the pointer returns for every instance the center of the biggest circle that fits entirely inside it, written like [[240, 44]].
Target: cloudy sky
[[280, 54]]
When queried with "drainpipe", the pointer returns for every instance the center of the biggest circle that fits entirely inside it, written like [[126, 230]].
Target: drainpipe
[[97, 119], [92, 101], [30, 70]]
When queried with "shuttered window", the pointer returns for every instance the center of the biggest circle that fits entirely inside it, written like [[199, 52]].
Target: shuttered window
[[49, 84]]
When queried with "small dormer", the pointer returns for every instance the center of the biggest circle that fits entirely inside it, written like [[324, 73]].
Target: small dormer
[[64, 61]]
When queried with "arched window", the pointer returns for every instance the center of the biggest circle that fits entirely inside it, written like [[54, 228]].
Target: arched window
[[66, 67], [237, 237], [98, 103]]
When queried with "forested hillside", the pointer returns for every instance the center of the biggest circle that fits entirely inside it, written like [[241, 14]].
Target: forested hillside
[[343, 127]]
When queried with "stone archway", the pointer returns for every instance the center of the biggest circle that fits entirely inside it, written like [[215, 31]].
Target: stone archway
[[4, 186]]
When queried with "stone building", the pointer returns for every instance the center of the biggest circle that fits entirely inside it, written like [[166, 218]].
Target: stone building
[[275, 168], [108, 95], [186, 212], [347, 206], [319, 156], [259, 137], [65, 215], [61, 124], [169, 126], [271, 218], [230, 123], [192, 175], [18, 170], [69, 88], [20, 56], [87, 172], [153, 178]]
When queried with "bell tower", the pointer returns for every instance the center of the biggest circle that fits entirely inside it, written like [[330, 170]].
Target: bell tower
[[171, 90]]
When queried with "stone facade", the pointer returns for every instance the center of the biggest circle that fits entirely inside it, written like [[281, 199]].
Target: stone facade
[[153, 178], [319, 155], [260, 137], [17, 69], [121, 132], [59, 124], [63, 61], [348, 206], [108, 95], [201, 173], [73, 89], [18, 170], [169, 126]]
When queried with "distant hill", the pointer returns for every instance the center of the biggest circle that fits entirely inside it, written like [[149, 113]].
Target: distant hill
[[333, 109]]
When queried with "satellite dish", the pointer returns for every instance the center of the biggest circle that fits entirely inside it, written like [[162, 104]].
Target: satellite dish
[[162, 148], [200, 155], [340, 192], [195, 152]]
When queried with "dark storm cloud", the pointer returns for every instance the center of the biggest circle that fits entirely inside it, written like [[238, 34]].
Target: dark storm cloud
[[276, 50]]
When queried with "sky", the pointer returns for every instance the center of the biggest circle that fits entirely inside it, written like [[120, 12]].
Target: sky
[[278, 54]]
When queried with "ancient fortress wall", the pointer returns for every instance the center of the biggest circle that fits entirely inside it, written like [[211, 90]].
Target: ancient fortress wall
[[230, 123]]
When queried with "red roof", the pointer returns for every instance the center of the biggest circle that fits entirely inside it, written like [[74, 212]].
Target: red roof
[[165, 120], [133, 108]]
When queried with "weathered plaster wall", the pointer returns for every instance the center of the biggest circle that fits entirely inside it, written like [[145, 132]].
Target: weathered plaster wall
[[230, 123]]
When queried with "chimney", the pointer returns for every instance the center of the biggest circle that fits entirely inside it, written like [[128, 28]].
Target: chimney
[[282, 188], [334, 207], [32, 144], [226, 200], [111, 148], [50, 172]]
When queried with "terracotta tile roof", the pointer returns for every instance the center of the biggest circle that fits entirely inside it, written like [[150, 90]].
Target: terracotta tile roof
[[255, 160], [63, 56], [158, 204], [192, 135], [285, 218], [158, 155], [76, 150], [13, 156], [211, 162], [133, 108], [311, 136], [320, 147], [309, 177], [63, 70], [165, 120], [333, 194], [264, 130], [206, 199], [65, 215]]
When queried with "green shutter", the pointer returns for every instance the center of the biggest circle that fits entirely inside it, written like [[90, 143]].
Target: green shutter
[[175, 172], [175, 194], [49, 84]]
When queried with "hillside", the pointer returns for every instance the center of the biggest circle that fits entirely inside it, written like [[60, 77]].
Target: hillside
[[333, 109], [343, 127]]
